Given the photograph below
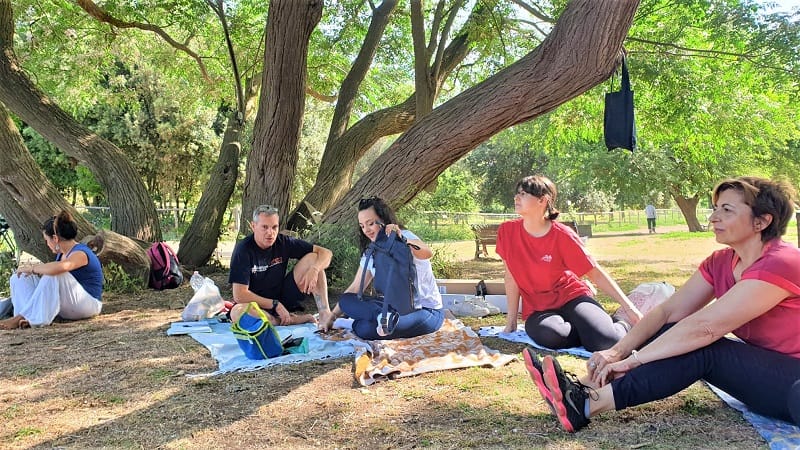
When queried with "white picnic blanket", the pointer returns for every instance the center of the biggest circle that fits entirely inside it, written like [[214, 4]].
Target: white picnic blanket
[[224, 348]]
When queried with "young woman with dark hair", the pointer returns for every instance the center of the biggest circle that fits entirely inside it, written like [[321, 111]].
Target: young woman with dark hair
[[373, 215], [70, 287]]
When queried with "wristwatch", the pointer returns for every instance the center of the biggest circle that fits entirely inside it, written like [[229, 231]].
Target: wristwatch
[[275, 303]]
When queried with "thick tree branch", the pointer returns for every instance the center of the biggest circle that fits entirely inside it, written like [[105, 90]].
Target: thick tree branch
[[98, 13]]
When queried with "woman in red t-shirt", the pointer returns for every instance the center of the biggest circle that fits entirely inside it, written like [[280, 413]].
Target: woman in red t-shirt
[[544, 265], [756, 284]]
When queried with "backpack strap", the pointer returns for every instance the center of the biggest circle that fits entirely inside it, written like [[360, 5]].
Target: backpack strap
[[162, 250], [367, 258]]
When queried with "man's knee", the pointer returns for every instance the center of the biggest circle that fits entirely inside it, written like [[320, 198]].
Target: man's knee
[[303, 264]]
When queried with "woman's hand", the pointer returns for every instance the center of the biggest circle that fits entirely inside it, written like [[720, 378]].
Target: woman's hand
[[598, 362], [510, 327], [391, 227], [615, 370], [25, 270]]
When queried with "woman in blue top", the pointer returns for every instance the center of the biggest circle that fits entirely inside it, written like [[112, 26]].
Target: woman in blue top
[[70, 287], [374, 214]]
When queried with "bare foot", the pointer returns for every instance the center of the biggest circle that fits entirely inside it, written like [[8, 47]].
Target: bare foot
[[301, 318], [13, 323]]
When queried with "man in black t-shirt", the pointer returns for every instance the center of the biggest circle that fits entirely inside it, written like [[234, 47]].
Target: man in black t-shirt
[[258, 270]]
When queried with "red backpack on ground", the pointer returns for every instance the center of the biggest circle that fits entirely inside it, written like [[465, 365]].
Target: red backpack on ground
[[165, 269]]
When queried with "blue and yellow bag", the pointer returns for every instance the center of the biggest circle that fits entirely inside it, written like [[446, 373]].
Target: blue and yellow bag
[[257, 337]]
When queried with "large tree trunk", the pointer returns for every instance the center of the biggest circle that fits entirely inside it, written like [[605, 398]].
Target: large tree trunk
[[202, 236], [580, 52], [688, 206], [273, 160], [27, 197], [132, 210]]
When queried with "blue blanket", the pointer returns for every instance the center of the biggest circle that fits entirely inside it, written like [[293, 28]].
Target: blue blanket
[[779, 435], [521, 337], [224, 348]]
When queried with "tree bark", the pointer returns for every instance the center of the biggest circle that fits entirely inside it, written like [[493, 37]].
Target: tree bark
[[272, 162], [422, 87], [580, 52], [202, 236], [127, 253], [27, 197], [132, 210], [688, 206]]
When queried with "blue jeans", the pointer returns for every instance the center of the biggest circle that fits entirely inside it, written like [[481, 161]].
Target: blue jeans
[[365, 313], [764, 380]]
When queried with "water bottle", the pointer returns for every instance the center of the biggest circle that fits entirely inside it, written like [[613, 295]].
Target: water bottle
[[196, 281]]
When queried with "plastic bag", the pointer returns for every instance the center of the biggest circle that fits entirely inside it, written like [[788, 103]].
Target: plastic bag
[[206, 302]]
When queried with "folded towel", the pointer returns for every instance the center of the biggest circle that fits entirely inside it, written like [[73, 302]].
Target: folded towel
[[453, 346], [521, 337], [224, 348]]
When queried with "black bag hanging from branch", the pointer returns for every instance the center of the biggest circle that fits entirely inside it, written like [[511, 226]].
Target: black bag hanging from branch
[[619, 126]]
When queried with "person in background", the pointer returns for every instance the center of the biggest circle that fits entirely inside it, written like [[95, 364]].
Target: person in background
[[71, 287], [650, 213], [756, 284], [544, 263], [258, 271], [374, 214]]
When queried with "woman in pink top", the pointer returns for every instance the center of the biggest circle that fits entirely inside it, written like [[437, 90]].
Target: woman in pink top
[[756, 284], [544, 264]]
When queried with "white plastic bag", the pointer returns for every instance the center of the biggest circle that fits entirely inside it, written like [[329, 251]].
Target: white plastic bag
[[206, 302], [647, 296]]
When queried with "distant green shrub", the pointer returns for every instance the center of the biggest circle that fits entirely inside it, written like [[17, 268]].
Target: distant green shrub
[[343, 242], [450, 232], [445, 264], [118, 281], [7, 267]]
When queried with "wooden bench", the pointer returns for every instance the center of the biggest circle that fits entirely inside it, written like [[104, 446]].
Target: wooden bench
[[485, 234]]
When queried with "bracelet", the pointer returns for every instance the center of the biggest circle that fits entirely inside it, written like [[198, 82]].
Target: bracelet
[[635, 355]]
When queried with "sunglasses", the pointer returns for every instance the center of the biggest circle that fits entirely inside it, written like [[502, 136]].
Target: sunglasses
[[368, 202]]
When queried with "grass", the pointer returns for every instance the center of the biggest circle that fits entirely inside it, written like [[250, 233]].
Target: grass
[[117, 381]]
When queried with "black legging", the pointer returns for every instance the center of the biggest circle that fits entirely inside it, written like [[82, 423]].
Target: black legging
[[764, 380], [581, 322]]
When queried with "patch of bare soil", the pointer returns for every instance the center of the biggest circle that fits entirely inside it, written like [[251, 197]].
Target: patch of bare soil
[[117, 381]]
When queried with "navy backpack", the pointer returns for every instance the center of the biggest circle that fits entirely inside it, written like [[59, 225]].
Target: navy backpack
[[395, 277]]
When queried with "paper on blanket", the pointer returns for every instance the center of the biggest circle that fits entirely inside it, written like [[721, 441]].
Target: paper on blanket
[[453, 346], [178, 328], [521, 337], [225, 350], [779, 435]]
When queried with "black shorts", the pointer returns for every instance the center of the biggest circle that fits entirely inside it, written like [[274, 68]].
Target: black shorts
[[289, 296]]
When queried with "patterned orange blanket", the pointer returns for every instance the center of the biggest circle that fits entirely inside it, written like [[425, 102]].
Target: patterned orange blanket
[[453, 346]]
